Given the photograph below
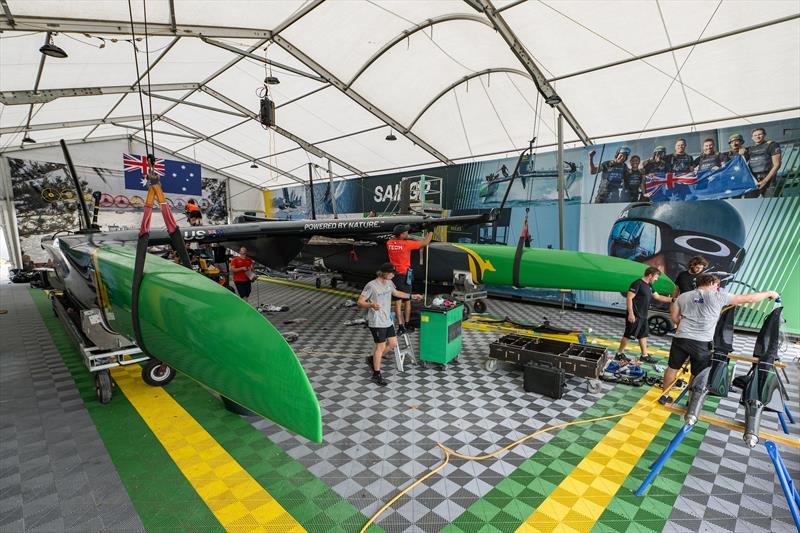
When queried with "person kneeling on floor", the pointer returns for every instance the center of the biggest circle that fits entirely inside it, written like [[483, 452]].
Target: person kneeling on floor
[[696, 313], [377, 299], [637, 302]]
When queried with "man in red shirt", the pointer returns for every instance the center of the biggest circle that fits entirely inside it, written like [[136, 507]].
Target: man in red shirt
[[242, 270], [399, 250]]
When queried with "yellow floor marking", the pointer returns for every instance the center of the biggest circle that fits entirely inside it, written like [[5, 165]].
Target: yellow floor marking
[[577, 503], [236, 499], [735, 425], [338, 292]]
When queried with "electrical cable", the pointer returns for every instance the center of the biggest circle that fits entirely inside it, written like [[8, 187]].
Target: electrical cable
[[448, 452]]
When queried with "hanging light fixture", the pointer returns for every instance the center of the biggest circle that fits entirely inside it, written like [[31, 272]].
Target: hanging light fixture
[[552, 100], [271, 80], [28, 140], [50, 49], [253, 165], [391, 136]]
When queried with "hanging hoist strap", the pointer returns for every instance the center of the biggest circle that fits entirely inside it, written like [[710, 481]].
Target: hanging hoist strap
[[154, 193], [523, 240]]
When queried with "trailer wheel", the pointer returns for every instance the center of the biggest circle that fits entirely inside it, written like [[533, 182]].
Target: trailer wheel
[[479, 306], [490, 365], [157, 374], [103, 386], [594, 385], [467, 311], [659, 325]]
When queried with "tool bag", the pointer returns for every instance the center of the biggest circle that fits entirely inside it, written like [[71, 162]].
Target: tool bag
[[542, 379]]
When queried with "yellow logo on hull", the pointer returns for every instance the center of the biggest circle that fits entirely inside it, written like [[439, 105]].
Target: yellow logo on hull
[[477, 265]]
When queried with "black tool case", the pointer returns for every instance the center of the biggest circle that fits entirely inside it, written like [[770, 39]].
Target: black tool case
[[543, 379], [575, 359]]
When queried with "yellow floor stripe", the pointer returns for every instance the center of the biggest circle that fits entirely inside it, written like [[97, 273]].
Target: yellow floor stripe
[[236, 499], [338, 292], [577, 503]]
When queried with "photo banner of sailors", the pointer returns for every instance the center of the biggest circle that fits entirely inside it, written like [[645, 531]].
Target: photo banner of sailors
[[755, 161]]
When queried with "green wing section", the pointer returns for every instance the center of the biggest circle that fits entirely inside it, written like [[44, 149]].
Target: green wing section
[[209, 333], [557, 269]]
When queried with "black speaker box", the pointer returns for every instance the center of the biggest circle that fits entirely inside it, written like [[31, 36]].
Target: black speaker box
[[267, 114], [546, 380]]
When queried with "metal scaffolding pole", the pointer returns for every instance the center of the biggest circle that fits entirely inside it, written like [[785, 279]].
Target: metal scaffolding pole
[[560, 163]]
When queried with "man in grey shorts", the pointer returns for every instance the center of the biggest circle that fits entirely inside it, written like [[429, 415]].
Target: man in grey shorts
[[377, 299], [696, 313]]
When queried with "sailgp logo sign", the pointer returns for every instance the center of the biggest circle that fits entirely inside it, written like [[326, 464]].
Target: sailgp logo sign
[[391, 193]]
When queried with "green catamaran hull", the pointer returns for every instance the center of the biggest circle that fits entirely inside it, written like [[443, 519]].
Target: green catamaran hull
[[494, 264], [207, 332]]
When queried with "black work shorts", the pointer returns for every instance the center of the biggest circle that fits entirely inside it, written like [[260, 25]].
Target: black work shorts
[[382, 334], [243, 288], [636, 330], [697, 352], [401, 282]]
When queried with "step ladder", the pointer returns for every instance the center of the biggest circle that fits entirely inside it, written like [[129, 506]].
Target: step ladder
[[401, 352]]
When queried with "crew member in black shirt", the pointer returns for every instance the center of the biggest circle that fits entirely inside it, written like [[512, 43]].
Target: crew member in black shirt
[[680, 162], [709, 159], [736, 142], [634, 181], [685, 281], [638, 300], [765, 160], [614, 172], [658, 163]]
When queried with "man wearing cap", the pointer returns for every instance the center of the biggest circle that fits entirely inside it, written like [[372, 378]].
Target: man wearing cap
[[765, 160], [377, 299], [736, 142], [680, 162], [658, 163], [614, 172], [399, 250]]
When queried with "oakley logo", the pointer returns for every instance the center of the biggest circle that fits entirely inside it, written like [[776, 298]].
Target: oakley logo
[[703, 245]]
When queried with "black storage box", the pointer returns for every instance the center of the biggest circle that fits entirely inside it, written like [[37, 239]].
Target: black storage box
[[546, 380], [581, 360]]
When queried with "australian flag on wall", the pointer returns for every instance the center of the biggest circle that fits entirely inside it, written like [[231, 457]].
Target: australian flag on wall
[[732, 179], [177, 177]]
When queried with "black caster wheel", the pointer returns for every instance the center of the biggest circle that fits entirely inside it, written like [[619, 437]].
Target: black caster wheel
[[441, 368], [103, 386], [659, 325], [157, 374], [467, 311], [423, 364], [479, 306], [490, 365]]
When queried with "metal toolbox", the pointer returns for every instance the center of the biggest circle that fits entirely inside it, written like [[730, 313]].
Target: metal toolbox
[[576, 359]]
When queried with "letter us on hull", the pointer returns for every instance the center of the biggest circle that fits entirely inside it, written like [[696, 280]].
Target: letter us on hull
[[205, 331]]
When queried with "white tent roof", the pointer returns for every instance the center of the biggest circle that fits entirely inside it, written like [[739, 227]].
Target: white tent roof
[[453, 79]]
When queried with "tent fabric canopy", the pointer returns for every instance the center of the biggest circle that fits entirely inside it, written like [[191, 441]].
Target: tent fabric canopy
[[438, 74]]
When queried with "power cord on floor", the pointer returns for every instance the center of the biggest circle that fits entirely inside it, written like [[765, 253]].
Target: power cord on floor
[[448, 452]]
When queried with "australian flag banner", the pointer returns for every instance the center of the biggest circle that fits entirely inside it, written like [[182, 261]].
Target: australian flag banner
[[177, 177], [732, 179]]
